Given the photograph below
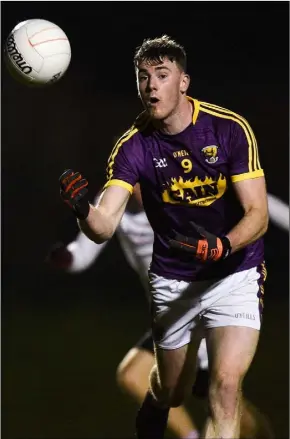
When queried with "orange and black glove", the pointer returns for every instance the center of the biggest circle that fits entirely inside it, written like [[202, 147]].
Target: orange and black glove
[[74, 192], [206, 247]]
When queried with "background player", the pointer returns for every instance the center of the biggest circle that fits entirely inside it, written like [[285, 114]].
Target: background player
[[136, 239]]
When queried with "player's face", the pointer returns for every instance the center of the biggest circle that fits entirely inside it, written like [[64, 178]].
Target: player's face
[[160, 87]]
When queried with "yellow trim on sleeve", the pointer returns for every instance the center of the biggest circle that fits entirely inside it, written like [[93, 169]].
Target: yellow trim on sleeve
[[126, 136], [116, 148], [247, 175], [121, 183]]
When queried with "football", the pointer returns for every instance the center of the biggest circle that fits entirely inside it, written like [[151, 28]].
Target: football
[[37, 52]]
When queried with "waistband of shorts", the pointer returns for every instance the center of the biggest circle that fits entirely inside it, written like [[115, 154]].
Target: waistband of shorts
[[191, 278]]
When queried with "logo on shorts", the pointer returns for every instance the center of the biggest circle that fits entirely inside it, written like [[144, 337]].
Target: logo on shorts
[[245, 315], [210, 154]]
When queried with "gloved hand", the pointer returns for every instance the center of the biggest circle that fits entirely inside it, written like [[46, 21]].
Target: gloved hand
[[59, 256], [74, 192], [206, 247]]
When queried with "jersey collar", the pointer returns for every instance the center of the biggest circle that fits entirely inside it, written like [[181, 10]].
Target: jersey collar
[[195, 103]]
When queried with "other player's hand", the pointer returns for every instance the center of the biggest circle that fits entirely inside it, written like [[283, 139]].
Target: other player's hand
[[74, 192], [59, 257], [206, 247]]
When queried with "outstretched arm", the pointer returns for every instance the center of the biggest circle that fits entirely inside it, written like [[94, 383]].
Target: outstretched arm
[[84, 251], [98, 222], [103, 219]]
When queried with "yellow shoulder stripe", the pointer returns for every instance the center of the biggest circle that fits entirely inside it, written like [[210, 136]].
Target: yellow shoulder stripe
[[215, 110], [126, 136], [116, 148]]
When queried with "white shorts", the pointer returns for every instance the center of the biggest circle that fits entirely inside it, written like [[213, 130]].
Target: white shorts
[[179, 307]]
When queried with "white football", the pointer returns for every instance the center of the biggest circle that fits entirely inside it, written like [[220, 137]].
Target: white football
[[37, 52]]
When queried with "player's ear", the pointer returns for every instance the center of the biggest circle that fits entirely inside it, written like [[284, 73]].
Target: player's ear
[[184, 82]]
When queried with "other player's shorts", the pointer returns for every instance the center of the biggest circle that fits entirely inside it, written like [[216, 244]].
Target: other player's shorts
[[200, 387], [179, 307]]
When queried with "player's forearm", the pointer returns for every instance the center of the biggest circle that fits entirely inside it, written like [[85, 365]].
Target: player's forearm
[[98, 227], [252, 226]]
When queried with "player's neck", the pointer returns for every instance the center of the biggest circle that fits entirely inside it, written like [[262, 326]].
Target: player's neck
[[180, 119]]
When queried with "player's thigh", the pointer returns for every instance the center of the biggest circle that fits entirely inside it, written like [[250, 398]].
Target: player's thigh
[[232, 319], [176, 367], [231, 350], [176, 328]]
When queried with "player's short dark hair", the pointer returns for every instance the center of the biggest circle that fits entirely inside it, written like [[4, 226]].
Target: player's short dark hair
[[156, 49]]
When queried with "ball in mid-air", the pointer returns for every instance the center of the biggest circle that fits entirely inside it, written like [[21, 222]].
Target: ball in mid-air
[[37, 52]]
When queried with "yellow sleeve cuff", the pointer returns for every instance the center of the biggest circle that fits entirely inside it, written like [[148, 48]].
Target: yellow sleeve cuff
[[247, 175], [121, 183]]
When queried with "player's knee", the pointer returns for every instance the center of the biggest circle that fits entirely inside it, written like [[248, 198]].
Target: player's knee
[[225, 392]]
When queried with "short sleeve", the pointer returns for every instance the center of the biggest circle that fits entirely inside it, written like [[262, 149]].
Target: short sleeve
[[244, 156], [121, 169]]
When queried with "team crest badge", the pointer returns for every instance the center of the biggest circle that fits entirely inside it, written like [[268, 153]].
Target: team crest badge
[[210, 154]]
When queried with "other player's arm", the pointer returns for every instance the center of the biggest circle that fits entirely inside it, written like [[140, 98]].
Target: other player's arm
[[78, 255], [278, 212]]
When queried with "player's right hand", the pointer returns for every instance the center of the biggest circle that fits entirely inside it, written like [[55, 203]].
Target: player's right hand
[[59, 257], [74, 192]]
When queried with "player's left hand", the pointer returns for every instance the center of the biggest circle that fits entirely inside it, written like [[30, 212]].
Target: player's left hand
[[206, 247]]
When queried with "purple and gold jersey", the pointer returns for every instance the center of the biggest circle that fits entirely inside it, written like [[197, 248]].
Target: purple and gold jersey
[[188, 177]]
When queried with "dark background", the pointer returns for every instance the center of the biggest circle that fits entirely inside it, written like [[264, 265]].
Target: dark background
[[62, 335]]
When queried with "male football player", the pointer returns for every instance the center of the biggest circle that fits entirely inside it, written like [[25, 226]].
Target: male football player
[[135, 236], [204, 193]]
